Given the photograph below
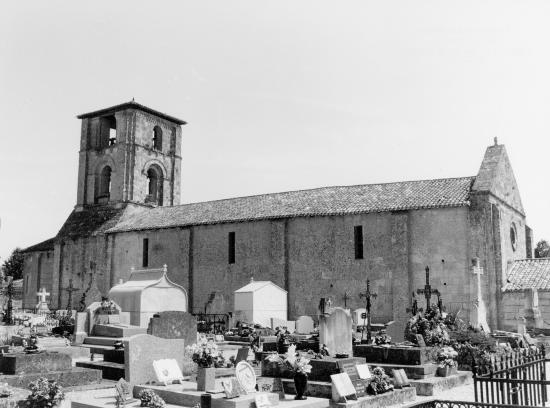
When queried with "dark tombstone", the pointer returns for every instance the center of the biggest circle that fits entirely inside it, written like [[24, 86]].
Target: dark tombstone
[[242, 354], [174, 325]]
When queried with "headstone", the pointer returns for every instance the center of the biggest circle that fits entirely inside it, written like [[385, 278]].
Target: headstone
[[80, 327], [231, 388], [174, 325], [42, 306], [142, 349], [363, 371], [336, 332], [242, 354], [396, 330], [420, 340], [167, 371], [304, 325], [246, 376], [289, 324], [342, 388], [521, 325]]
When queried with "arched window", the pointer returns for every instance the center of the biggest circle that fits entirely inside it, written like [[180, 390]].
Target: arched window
[[107, 132], [157, 138], [104, 190], [155, 179]]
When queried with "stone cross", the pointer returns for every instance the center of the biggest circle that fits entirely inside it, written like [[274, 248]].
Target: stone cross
[[427, 291], [8, 317], [70, 289], [368, 296], [42, 295]]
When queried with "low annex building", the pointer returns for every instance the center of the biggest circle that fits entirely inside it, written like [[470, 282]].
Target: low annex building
[[324, 242]]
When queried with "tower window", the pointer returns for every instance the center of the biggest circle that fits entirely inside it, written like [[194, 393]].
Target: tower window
[[145, 256], [154, 189], [513, 236], [358, 240], [231, 247], [104, 189], [107, 132], [157, 138]]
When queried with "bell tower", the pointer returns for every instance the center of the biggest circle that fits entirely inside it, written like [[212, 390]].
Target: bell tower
[[129, 153]]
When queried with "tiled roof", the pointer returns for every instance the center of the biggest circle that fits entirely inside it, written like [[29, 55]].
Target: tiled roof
[[46, 245], [89, 221], [370, 198], [130, 105], [528, 274]]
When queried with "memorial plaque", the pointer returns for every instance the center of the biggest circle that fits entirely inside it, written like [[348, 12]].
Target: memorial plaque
[[420, 340], [167, 371], [350, 368], [270, 384], [342, 388], [360, 387], [400, 378], [231, 388], [246, 377], [124, 391], [364, 372], [242, 354]]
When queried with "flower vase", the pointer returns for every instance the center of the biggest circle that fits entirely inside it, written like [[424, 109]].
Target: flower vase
[[206, 379], [445, 371], [300, 383]]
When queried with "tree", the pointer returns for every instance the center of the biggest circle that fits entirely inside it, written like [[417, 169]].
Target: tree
[[13, 266], [542, 249]]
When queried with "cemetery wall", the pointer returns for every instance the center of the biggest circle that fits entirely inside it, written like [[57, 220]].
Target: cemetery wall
[[37, 273], [514, 304]]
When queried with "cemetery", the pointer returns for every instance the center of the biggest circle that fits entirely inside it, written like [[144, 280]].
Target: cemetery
[[128, 350]]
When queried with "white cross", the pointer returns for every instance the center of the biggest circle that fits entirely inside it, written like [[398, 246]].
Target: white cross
[[478, 270], [42, 295]]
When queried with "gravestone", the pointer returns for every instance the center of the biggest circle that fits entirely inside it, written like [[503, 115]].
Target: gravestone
[[304, 325], [400, 378], [143, 349], [289, 324], [231, 388], [336, 332], [396, 330], [350, 368], [420, 340], [364, 371], [124, 391], [271, 384], [174, 325], [242, 354], [357, 316]]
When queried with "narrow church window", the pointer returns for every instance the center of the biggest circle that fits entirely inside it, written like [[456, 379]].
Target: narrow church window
[[157, 138], [107, 132], [104, 190], [513, 236], [155, 190], [358, 238], [231, 248], [145, 262]]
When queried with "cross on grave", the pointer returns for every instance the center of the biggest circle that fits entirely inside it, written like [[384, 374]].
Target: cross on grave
[[8, 317], [70, 289], [42, 295], [479, 317], [367, 295], [427, 291]]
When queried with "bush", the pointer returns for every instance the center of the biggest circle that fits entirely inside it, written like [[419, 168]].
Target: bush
[[45, 394]]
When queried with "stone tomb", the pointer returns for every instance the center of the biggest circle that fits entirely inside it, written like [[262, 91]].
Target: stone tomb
[[20, 369], [174, 325], [304, 325], [335, 330], [417, 363]]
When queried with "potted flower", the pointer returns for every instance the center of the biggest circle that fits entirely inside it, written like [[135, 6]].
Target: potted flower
[[45, 394], [208, 358], [446, 358], [380, 382], [298, 365], [107, 313]]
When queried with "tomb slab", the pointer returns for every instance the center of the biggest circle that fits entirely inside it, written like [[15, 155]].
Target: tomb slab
[[394, 354], [321, 369], [20, 363]]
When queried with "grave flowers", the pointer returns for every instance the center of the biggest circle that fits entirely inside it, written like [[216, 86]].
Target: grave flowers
[[446, 358], [208, 358], [380, 382], [149, 398], [45, 394], [298, 365]]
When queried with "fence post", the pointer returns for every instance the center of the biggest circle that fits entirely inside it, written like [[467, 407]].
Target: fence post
[[543, 375], [474, 374]]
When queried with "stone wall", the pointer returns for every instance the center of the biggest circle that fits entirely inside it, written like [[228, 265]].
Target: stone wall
[[37, 273]]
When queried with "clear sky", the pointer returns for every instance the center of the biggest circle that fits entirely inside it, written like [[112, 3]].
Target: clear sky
[[278, 95]]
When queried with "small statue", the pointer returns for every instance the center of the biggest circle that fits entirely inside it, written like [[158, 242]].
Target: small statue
[[324, 351]]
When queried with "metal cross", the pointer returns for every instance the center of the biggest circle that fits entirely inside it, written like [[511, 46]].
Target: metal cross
[[367, 295], [70, 289], [414, 307], [8, 317], [427, 291]]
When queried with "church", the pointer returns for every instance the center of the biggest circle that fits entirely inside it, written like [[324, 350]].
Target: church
[[324, 242]]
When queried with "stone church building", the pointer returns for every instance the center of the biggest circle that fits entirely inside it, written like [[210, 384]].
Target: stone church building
[[323, 242]]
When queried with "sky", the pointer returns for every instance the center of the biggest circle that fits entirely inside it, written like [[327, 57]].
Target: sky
[[278, 95]]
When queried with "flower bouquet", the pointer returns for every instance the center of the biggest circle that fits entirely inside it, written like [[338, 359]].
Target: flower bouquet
[[446, 358], [206, 354], [380, 382], [298, 365]]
